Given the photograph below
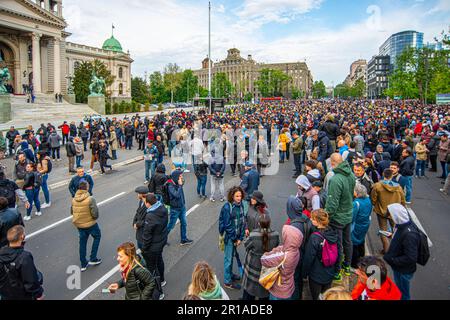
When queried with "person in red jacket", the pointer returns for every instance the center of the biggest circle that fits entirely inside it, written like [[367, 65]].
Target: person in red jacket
[[373, 281], [65, 129]]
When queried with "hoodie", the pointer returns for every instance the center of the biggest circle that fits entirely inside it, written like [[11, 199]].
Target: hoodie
[[158, 180], [292, 241], [217, 294], [388, 291], [313, 175], [385, 193], [339, 202], [176, 193], [325, 147], [403, 250], [25, 273], [154, 235], [27, 151], [312, 259]]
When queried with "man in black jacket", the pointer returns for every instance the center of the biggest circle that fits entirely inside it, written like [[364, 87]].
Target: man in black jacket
[[71, 153], [19, 278], [407, 167], [141, 212], [403, 251], [157, 181], [331, 129], [9, 217], [154, 236], [11, 135], [129, 132]]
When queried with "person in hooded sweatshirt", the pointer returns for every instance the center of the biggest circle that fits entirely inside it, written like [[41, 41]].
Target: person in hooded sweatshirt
[[287, 254], [25, 148], [9, 217], [204, 283], [385, 163], [374, 288], [157, 181], [403, 252], [320, 276], [22, 269], [306, 190], [383, 194]]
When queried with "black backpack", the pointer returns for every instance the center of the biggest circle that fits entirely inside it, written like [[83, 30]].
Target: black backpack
[[165, 192], [307, 230], [37, 180], [423, 254]]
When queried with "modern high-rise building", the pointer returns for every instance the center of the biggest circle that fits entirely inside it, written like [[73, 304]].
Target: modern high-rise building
[[377, 76], [397, 43]]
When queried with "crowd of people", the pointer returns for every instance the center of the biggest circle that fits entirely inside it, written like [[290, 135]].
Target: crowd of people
[[351, 158]]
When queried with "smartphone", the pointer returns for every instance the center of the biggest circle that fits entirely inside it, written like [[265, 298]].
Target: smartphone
[[385, 233], [106, 291]]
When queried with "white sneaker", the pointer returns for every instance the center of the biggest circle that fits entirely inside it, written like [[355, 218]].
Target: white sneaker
[[46, 205], [163, 283], [186, 170], [146, 182], [27, 218], [212, 200], [161, 296], [38, 213]]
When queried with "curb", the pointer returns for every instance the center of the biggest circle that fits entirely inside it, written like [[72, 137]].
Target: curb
[[97, 172]]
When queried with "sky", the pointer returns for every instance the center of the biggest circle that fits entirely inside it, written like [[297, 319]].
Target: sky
[[326, 34]]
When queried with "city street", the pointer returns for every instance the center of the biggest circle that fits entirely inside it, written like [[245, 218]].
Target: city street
[[56, 249]]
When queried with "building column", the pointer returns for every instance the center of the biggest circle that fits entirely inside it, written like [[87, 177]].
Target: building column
[[36, 62], [56, 66]]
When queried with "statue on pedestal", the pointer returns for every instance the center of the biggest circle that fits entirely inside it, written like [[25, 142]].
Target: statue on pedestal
[[96, 86], [4, 77]]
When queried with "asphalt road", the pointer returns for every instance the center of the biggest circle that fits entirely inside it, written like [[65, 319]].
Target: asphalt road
[[56, 250]]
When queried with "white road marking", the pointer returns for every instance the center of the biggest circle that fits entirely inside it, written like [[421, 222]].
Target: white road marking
[[69, 218], [96, 284]]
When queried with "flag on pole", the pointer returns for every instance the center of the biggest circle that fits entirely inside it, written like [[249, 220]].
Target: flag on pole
[[113, 29]]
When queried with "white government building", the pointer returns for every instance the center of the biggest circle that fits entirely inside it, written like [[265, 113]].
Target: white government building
[[33, 46]]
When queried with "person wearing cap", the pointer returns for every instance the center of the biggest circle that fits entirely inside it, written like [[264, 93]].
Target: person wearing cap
[[257, 208], [297, 147], [250, 180], [141, 211]]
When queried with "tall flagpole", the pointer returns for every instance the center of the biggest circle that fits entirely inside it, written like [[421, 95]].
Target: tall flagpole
[[209, 58]]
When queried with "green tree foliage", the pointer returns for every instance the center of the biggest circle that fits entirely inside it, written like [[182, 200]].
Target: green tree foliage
[[158, 92], [272, 83], [221, 87], [319, 89], [140, 91], [188, 86], [297, 94], [172, 79], [82, 79]]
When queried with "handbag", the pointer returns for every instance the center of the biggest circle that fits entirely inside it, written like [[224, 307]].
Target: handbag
[[269, 276]]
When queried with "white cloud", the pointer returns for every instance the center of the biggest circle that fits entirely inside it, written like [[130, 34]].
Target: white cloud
[[221, 9], [441, 7]]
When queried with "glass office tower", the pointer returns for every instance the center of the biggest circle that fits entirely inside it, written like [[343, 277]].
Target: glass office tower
[[398, 42]]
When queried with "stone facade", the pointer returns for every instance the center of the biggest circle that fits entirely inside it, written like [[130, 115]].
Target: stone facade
[[358, 70], [244, 72], [34, 48]]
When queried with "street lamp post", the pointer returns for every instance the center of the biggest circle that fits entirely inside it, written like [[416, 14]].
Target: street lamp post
[[209, 59]]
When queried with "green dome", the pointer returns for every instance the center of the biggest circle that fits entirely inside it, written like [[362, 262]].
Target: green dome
[[112, 44]]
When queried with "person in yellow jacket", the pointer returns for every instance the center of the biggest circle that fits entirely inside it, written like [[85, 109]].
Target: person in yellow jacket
[[84, 212], [421, 156], [282, 144]]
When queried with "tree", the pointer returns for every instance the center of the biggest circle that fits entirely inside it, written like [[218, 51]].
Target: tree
[[158, 92], [188, 86], [140, 91], [359, 89], [83, 75], [402, 82], [297, 94], [319, 89], [172, 78], [272, 83], [221, 87]]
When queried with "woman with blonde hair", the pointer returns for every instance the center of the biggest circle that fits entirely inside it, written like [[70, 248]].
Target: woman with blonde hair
[[137, 280], [336, 293], [204, 283]]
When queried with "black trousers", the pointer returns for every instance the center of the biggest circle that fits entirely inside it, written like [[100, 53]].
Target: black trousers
[[233, 168], [317, 288], [359, 251], [433, 161], [248, 297], [141, 144], [155, 263], [65, 138]]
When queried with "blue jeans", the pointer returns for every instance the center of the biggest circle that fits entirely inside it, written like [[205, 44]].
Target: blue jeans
[[172, 145], [402, 280], [160, 158], [33, 197], [298, 163], [78, 161], [201, 185], [128, 142], [420, 168], [408, 188], [93, 231], [444, 167], [114, 154], [175, 214], [44, 187], [149, 166], [282, 155], [228, 261], [271, 297]]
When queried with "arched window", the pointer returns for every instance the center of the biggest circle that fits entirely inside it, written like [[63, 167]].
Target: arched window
[[120, 88], [120, 72]]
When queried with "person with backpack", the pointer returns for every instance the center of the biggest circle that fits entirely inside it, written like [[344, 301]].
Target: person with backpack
[[44, 167], [306, 191], [19, 277], [201, 173], [232, 227], [31, 187], [154, 238], [286, 257], [78, 178], [177, 204], [157, 182], [135, 278], [408, 247], [54, 140], [9, 217], [84, 211], [261, 240], [11, 191], [322, 255], [362, 210], [151, 159], [377, 288]]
